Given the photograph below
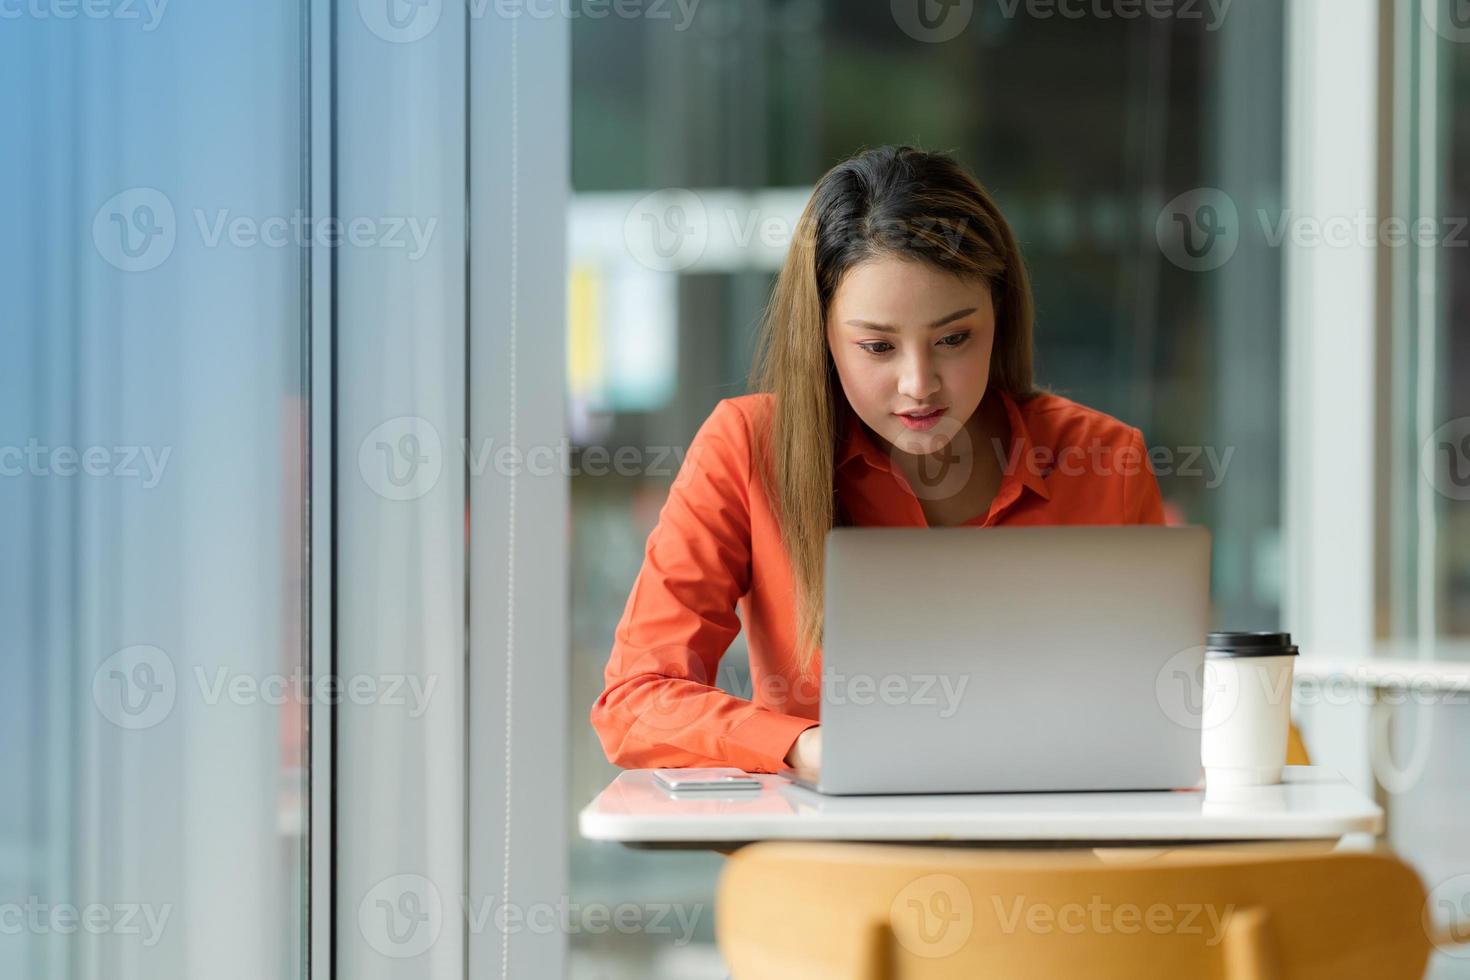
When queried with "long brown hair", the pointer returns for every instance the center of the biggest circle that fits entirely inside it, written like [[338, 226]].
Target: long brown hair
[[889, 201]]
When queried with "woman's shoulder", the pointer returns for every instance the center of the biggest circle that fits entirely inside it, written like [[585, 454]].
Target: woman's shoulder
[[754, 406], [1057, 421], [727, 434], [742, 415]]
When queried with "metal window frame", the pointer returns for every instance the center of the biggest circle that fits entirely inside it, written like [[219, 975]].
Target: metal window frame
[[516, 142], [1329, 458]]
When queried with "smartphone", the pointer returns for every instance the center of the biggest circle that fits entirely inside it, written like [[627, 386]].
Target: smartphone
[[716, 778]]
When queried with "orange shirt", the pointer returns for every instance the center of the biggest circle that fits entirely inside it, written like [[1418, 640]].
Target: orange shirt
[[715, 561]]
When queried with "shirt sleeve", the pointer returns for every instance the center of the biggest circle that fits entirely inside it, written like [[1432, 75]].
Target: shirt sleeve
[[1143, 501], [660, 707]]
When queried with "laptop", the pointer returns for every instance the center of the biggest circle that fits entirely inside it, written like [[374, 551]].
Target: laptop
[[1012, 659]]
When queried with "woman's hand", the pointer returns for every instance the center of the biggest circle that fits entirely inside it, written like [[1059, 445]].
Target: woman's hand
[[806, 754]]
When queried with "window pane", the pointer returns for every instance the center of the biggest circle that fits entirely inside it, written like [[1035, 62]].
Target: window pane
[[1424, 571], [151, 502], [1426, 579]]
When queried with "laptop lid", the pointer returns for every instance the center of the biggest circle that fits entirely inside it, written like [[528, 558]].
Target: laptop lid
[[1013, 659]]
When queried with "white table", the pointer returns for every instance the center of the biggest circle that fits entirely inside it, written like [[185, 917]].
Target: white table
[[1312, 803]]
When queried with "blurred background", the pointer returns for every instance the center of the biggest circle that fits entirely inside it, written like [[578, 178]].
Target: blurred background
[[188, 539]]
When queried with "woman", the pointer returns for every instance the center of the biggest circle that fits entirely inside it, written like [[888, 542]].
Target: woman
[[892, 387]]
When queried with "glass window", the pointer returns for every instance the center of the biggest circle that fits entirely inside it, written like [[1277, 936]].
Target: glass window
[[1423, 569], [1424, 579], [152, 487]]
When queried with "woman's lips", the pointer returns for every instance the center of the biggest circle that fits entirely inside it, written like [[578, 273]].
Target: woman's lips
[[922, 422]]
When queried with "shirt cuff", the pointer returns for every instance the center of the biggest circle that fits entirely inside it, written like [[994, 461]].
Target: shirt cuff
[[761, 742]]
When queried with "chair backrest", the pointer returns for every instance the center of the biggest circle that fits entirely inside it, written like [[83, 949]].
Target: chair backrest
[[885, 912], [1296, 749]]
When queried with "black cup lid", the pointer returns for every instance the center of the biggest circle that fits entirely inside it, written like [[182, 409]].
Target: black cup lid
[[1250, 645]]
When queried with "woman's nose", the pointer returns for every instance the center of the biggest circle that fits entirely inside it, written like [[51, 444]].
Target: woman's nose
[[918, 379]]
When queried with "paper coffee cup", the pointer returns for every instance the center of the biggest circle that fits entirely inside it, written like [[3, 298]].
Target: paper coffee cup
[[1247, 712]]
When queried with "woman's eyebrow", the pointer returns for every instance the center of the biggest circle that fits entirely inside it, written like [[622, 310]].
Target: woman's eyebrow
[[884, 328]]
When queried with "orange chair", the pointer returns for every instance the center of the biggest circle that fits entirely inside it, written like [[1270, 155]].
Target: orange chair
[[1296, 749], [810, 911]]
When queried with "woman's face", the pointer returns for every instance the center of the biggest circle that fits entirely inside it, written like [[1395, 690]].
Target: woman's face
[[909, 337]]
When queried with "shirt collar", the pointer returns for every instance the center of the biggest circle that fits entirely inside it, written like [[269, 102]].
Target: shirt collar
[[855, 443]]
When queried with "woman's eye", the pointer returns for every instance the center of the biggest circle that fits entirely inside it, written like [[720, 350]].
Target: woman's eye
[[883, 346]]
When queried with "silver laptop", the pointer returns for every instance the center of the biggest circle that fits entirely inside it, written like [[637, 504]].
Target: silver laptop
[[1012, 659]]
